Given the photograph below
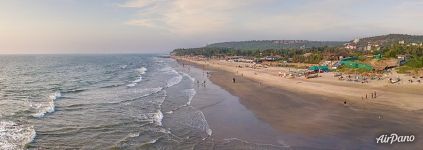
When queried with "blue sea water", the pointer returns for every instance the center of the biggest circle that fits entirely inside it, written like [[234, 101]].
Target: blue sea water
[[101, 102], [96, 102]]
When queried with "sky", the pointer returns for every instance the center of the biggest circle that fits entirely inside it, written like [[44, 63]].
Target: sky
[[159, 26]]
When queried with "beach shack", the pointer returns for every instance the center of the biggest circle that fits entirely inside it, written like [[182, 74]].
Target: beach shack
[[271, 58], [351, 62], [319, 68], [384, 65]]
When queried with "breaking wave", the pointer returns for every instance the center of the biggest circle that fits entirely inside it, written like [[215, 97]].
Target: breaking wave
[[15, 136], [141, 71], [190, 93], [174, 80], [189, 76], [46, 107]]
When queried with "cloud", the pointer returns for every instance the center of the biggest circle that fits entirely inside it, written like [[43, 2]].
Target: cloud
[[138, 3], [188, 17], [276, 18]]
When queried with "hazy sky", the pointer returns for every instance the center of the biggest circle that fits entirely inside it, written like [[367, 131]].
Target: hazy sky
[[154, 26]]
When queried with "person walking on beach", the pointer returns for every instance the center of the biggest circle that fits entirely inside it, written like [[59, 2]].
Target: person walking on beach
[[204, 83], [233, 80], [375, 94]]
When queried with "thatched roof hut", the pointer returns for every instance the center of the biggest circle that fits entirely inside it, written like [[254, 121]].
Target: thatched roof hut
[[384, 64]]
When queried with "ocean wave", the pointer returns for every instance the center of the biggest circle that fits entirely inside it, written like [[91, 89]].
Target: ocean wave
[[174, 80], [205, 126], [169, 112], [147, 92], [189, 76], [141, 71], [46, 107], [15, 136], [169, 70], [139, 79], [74, 90], [135, 82], [155, 118], [190, 93], [132, 135], [131, 84], [152, 141], [111, 86], [158, 117], [123, 66]]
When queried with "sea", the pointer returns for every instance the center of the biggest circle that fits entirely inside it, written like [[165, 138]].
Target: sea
[[119, 101]]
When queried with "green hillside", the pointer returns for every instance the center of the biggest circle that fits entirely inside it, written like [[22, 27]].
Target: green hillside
[[389, 39], [275, 44]]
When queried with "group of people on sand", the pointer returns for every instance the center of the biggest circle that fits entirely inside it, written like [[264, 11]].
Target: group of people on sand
[[373, 95], [411, 81], [203, 84]]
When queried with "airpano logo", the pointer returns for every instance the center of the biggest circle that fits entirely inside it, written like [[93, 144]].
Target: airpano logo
[[395, 138]]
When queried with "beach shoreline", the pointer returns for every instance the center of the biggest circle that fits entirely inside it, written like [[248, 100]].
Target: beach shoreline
[[310, 119], [328, 86]]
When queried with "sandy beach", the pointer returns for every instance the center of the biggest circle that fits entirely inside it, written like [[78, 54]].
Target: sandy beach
[[403, 95], [312, 114]]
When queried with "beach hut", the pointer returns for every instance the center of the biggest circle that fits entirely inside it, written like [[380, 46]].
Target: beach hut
[[356, 65], [384, 64], [319, 68]]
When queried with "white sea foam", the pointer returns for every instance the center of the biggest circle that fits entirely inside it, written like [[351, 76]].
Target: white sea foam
[[205, 125], [142, 70], [190, 93], [132, 135], [155, 117], [15, 136], [46, 107], [150, 142], [143, 93], [189, 76], [131, 85], [209, 131], [169, 112], [174, 80], [158, 117], [139, 79]]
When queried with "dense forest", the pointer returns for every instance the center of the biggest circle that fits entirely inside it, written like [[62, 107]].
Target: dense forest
[[275, 44], [314, 52], [414, 52], [386, 40], [315, 55]]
